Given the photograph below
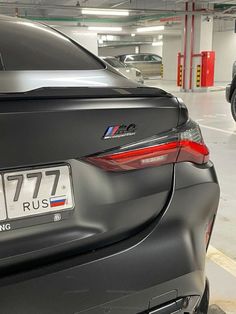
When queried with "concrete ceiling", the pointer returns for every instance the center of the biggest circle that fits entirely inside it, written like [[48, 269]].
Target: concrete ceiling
[[142, 12], [71, 8]]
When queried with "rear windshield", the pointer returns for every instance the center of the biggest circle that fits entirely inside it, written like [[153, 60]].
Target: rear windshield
[[135, 58], [30, 46]]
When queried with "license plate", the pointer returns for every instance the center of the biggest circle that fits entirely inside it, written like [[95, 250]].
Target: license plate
[[35, 192]]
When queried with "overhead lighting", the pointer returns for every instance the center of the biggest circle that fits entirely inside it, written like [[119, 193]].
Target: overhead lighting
[[157, 43], [150, 29], [104, 29], [107, 37], [110, 37], [160, 37], [133, 35], [105, 12]]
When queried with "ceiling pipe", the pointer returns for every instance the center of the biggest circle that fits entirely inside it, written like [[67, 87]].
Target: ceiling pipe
[[185, 45], [131, 10], [119, 4], [158, 18], [192, 48]]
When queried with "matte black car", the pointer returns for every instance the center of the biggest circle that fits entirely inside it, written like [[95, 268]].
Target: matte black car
[[107, 193], [231, 92]]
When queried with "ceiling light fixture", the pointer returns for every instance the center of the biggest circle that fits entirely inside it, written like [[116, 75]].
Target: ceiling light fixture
[[150, 29], [133, 35], [105, 12], [110, 37], [104, 29], [157, 43]]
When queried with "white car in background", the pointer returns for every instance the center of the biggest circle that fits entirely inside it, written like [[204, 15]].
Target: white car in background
[[128, 71]]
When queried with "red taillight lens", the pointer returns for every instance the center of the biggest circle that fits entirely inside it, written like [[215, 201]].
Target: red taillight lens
[[195, 152], [177, 146], [138, 158]]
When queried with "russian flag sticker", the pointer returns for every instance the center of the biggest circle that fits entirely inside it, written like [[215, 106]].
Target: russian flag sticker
[[57, 201]]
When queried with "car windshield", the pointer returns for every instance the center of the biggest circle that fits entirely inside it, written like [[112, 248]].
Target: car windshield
[[115, 63], [30, 46]]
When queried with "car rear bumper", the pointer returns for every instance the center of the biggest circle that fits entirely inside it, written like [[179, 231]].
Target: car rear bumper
[[161, 265]]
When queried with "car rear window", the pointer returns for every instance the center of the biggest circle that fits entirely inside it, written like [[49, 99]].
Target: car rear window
[[30, 46], [151, 58], [135, 58], [114, 62]]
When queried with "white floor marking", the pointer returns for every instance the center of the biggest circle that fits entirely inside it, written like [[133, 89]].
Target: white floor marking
[[221, 115], [216, 129], [209, 115], [222, 260]]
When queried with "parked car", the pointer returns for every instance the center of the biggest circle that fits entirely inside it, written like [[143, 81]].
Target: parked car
[[129, 72], [107, 194], [231, 95], [148, 64]]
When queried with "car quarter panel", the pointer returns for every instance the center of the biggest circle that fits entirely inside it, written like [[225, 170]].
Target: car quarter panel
[[172, 249]]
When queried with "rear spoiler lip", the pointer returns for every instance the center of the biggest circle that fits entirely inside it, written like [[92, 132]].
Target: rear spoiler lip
[[86, 93]]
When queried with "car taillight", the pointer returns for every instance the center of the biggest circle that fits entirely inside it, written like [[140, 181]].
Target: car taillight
[[176, 146]]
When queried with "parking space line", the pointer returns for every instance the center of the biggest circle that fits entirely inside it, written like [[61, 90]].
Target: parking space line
[[222, 260], [216, 129]]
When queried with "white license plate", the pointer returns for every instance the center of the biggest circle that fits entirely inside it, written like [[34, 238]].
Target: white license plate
[[35, 192]]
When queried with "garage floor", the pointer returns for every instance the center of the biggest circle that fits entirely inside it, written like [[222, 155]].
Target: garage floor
[[212, 112]]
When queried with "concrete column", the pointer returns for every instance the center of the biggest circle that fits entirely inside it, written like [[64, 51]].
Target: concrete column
[[171, 47], [197, 34]]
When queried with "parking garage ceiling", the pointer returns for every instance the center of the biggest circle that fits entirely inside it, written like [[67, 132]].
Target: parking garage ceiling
[[140, 13], [51, 8]]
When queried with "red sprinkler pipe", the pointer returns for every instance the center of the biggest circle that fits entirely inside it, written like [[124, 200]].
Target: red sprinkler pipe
[[185, 44], [191, 48]]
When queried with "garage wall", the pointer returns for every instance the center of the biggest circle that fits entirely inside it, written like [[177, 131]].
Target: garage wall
[[107, 51], [88, 40], [224, 44], [171, 47], [151, 49]]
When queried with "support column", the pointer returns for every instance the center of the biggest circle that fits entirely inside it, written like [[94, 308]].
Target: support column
[[197, 33]]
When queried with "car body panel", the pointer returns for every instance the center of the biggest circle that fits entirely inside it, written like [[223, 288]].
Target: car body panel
[[148, 68], [230, 88], [129, 72], [23, 81], [135, 239], [147, 65], [49, 145], [123, 284]]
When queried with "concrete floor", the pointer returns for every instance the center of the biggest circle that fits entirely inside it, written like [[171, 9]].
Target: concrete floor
[[212, 112]]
